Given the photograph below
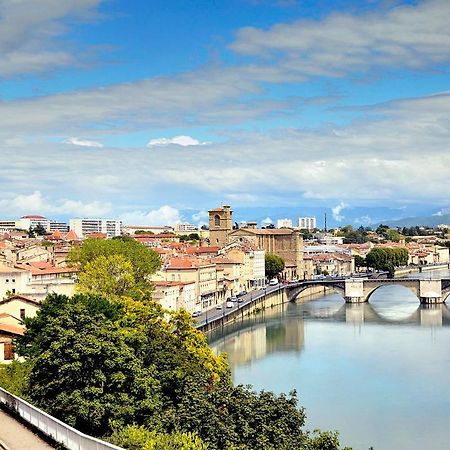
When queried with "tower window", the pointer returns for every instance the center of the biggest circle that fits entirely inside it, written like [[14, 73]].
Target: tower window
[[217, 220]]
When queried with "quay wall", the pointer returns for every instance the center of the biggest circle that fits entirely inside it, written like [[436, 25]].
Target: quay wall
[[262, 302]]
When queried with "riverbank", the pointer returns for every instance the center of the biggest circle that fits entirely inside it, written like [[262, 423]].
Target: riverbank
[[419, 269]]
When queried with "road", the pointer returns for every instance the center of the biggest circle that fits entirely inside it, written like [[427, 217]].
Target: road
[[244, 300], [15, 436]]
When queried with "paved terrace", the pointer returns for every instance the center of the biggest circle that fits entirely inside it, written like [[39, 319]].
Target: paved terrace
[[15, 436]]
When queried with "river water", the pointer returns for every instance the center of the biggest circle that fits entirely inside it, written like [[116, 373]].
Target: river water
[[379, 372]]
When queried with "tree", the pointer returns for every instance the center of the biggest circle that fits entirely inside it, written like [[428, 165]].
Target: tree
[[112, 276], [83, 370], [274, 265], [387, 259], [40, 230], [143, 260], [359, 261]]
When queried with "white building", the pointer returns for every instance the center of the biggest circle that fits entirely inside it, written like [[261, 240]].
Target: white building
[[27, 222], [58, 226], [185, 228], [284, 223], [85, 227], [307, 223]]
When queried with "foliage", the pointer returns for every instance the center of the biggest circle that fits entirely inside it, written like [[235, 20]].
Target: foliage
[[84, 372], [274, 265], [112, 276], [189, 237], [143, 260], [359, 261], [143, 232], [323, 440], [14, 377], [387, 258], [352, 236], [135, 437]]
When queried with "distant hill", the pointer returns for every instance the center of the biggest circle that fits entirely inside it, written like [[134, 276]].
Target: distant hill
[[425, 221]]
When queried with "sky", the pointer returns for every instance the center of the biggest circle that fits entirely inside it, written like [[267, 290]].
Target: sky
[[143, 110]]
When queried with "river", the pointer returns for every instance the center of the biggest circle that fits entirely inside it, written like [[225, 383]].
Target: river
[[379, 372]]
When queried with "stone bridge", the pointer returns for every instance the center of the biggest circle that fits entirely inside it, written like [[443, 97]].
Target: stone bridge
[[428, 291]]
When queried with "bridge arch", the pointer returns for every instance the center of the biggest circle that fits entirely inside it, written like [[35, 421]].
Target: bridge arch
[[312, 286], [413, 287]]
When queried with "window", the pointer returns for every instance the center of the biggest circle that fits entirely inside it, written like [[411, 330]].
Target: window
[[22, 313], [13, 291], [217, 220]]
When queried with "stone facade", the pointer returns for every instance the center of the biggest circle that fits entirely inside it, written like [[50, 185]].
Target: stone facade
[[286, 243], [220, 225]]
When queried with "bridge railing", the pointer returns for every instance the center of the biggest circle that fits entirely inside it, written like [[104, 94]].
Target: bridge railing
[[60, 432]]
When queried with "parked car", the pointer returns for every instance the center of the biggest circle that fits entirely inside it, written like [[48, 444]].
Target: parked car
[[196, 313], [230, 304], [219, 306], [233, 298], [273, 282]]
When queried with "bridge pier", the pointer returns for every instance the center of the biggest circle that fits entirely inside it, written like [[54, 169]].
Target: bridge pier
[[431, 300], [355, 299]]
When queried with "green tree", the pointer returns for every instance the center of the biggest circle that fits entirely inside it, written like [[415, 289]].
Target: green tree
[[274, 265], [135, 437], [84, 372], [14, 377], [144, 260], [359, 261], [112, 276]]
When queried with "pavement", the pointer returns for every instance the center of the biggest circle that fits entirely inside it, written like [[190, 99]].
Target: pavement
[[15, 436], [214, 313]]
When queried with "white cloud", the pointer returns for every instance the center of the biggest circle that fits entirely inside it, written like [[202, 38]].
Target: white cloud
[[37, 203], [407, 36], [184, 141], [30, 30], [442, 212], [338, 217], [166, 215], [201, 216], [83, 143]]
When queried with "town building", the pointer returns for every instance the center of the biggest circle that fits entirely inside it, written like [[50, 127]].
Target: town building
[[286, 243], [220, 225], [132, 229], [284, 223], [33, 221], [87, 227], [63, 227], [307, 223], [185, 228]]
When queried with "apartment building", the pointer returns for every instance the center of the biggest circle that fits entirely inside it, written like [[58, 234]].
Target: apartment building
[[85, 227], [284, 223], [307, 223]]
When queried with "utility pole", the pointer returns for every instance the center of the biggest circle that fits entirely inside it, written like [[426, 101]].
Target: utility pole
[[326, 222]]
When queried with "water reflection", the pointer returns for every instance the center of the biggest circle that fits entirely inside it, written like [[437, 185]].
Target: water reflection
[[384, 364]]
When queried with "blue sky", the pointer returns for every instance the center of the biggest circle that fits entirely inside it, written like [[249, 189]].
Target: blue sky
[[145, 109]]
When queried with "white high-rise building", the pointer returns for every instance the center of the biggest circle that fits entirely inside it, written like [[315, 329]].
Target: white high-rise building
[[284, 223], [185, 228], [307, 223], [27, 222], [85, 227]]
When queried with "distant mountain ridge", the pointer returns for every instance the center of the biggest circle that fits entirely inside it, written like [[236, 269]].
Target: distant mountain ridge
[[425, 221]]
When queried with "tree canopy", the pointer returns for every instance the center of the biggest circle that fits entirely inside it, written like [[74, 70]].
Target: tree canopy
[[387, 258], [274, 265], [144, 261]]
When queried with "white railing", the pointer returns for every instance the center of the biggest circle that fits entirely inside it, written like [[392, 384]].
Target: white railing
[[71, 438]]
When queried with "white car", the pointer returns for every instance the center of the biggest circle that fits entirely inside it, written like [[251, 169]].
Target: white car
[[273, 282], [219, 306]]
